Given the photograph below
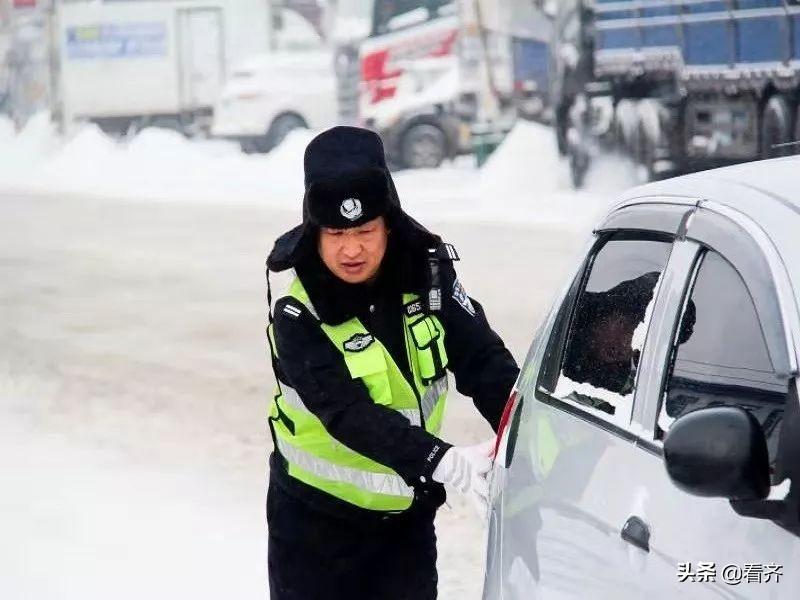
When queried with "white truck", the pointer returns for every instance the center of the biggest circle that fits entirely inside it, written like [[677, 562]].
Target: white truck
[[129, 64]]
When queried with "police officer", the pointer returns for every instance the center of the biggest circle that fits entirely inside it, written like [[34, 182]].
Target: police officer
[[361, 345]]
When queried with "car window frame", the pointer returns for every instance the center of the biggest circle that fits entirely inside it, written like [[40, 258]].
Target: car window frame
[[677, 277], [734, 242], [708, 229], [653, 219]]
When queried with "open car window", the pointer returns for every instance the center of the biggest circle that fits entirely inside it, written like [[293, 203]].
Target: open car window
[[593, 352]]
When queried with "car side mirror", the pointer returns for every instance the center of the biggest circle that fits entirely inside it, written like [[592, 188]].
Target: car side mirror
[[718, 452]]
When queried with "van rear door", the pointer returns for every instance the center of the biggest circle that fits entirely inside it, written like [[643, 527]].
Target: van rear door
[[201, 56]]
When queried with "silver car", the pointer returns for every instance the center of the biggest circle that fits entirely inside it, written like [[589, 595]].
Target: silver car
[[651, 448]]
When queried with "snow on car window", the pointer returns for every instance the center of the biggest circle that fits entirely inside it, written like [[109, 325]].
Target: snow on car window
[[609, 326], [639, 334]]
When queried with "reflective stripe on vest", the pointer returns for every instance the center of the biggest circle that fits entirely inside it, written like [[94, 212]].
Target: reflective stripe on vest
[[376, 483], [319, 460], [431, 396], [290, 397]]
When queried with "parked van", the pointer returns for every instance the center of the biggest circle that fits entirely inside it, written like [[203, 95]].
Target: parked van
[[131, 64]]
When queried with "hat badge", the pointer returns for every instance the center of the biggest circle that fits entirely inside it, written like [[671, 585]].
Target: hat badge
[[351, 209]]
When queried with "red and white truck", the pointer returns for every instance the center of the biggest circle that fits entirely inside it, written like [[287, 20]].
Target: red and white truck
[[426, 73]]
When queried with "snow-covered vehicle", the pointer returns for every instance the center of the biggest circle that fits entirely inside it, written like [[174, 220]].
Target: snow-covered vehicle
[[426, 71], [129, 64], [410, 80], [652, 443], [268, 95]]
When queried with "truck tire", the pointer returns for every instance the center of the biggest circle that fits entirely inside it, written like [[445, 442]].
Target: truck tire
[[281, 126], [777, 127], [423, 146]]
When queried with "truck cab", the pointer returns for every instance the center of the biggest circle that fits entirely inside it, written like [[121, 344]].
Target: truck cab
[[409, 81]]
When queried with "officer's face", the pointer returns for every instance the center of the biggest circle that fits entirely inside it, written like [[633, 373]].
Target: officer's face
[[355, 254]]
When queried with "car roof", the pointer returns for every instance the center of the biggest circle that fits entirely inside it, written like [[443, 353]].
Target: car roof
[[767, 191], [775, 178]]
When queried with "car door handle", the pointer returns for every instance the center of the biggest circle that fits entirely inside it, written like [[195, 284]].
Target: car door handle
[[636, 532]]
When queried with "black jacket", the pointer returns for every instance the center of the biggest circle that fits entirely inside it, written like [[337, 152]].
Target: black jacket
[[484, 369]]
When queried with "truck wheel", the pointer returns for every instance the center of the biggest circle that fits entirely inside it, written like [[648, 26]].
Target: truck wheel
[[423, 146], [776, 127], [280, 128]]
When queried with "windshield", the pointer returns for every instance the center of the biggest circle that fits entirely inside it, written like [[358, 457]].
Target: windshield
[[391, 15], [354, 9], [296, 33]]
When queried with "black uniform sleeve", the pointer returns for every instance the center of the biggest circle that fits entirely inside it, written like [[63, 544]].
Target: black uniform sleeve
[[483, 367], [316, 370]]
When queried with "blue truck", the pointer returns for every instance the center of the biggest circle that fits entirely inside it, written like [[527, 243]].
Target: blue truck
[[678, 85]]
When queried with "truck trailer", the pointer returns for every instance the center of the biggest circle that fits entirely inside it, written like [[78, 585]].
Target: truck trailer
[[128, 64], [678, 85]]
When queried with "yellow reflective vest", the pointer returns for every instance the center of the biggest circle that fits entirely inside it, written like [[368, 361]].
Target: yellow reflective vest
[[314, 457]]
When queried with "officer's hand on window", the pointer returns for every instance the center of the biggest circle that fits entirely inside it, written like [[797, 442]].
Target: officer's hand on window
[[466, 468]]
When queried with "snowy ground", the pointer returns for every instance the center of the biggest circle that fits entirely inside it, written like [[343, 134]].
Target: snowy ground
[[133, 373]]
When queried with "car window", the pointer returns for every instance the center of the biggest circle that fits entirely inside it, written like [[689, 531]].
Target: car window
[[720, 357], [593, 353], [296, 33]]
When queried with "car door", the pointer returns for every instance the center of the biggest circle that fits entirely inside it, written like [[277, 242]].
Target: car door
[[722, 342], [571, 484]]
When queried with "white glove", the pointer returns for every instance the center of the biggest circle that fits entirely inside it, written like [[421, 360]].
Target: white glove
[[466, 468]]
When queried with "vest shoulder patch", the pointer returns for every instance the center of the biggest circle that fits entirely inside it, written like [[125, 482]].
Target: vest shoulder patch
[[292, 310], [414, 308], [452, 254], [446, 251], [359, 342], [460, 296]]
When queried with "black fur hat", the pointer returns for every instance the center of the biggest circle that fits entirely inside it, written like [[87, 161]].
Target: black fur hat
[[347, 183], [346, 178]]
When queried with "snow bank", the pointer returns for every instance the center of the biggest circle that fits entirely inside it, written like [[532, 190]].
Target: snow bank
[[23, 153], [525, 181], [157, 164], [7, 132]]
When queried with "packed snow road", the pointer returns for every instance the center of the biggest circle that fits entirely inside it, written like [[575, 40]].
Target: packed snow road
[[133, 388], [134, 375]]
